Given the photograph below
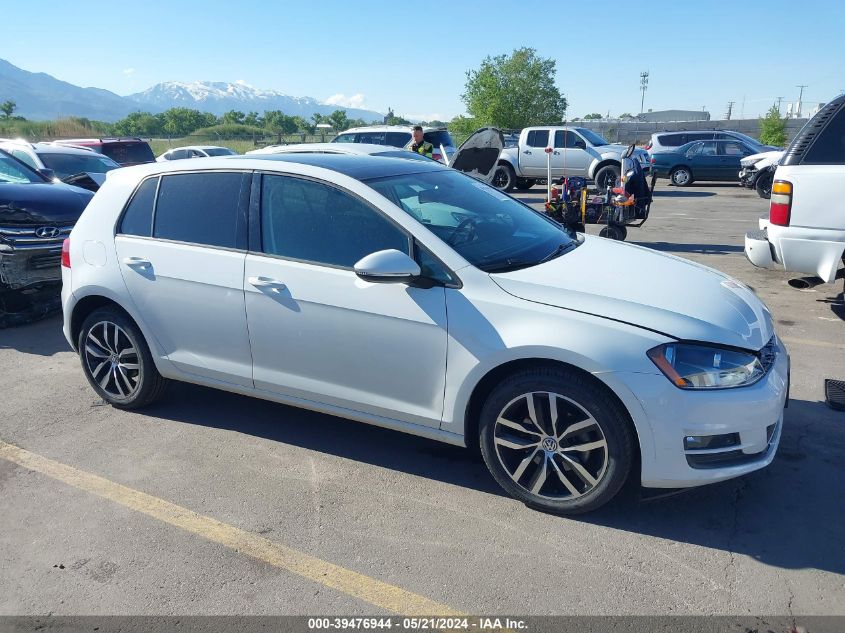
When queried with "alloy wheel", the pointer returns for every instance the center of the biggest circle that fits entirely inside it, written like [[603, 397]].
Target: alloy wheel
[[501, 179], [550, 445], [680, 177], [112, 360]]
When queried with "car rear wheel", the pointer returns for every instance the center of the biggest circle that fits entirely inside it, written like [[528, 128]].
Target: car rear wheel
[[681, 176], [504, 178], [614, 232], [764, 185], [117, 361], [555, 441]]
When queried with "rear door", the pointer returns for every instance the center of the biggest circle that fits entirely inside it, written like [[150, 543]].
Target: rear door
[[321, 334], [181, 245], [532, 153]]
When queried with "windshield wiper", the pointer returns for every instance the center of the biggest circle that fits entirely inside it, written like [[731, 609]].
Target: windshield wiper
[[560, 249], [507, 266]]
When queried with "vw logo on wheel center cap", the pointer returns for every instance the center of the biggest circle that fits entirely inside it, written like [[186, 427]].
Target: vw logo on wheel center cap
[[550, 444]]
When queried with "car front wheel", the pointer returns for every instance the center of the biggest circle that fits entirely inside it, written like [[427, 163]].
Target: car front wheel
[[504, 178], [117, 361], [555, 441]]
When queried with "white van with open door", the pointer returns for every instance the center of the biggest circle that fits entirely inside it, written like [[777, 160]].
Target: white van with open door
[[805, 230]]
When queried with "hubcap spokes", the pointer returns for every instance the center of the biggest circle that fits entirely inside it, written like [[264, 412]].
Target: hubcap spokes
[[550, 445], [112, 360]]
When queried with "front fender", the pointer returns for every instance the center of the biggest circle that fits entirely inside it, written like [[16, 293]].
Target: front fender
[[510, 156]]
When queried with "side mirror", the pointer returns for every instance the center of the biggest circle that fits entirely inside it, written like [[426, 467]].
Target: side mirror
[[387, 267], [48, 173]]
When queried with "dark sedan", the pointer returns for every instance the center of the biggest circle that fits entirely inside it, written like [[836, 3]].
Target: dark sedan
[[701, 160]]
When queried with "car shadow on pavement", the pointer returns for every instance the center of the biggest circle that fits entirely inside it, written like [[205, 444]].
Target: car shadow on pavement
[[705, 249], [192, 404], [44, 337], [788, 515], [679, 193]]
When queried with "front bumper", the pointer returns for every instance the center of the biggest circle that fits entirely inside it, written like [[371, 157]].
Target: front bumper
[[22, 268], [752, 416]]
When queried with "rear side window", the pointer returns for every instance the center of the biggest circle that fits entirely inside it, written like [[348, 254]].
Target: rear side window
[[829, 148], [205, 208], [375, 138], [671, 140], [399, 139], [538, 138], [138, 217]]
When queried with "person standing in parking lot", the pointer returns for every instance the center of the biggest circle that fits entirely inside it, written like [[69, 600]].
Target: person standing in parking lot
[[419, 145]]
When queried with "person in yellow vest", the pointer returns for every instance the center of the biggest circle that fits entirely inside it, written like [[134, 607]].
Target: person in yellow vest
[[419, 145]]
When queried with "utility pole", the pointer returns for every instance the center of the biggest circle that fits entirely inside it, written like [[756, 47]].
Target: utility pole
[[800, 97], [730, 109], [643, 88], [779, 100]]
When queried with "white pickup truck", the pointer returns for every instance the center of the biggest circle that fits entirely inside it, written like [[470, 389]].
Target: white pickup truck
[[576, 151]]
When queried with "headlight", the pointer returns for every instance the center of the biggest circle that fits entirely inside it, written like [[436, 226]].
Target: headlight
[[694, 366]]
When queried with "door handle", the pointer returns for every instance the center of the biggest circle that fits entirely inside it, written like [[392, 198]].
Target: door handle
[[557, 153], [137, 262], [266, 282], [527, 151]]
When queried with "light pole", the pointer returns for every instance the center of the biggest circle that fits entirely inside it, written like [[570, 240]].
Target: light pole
[[643, 88]]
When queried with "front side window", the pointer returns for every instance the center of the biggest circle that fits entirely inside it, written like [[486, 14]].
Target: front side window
[[202, 208], [538, 138], [14, 171], [315, 222], [24, 157], [489, 229], [733, 148], [566, 138], [344, 138], [398, 139]]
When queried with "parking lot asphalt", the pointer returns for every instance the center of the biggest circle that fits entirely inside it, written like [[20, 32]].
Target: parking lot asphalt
[[213, 503]]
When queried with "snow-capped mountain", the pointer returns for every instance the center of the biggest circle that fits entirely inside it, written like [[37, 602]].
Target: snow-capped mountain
[[218, 97], [40, 96]]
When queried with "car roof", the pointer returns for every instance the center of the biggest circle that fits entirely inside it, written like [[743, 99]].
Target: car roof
[[55, 148], [390, 128], [354, 166], [330, 148], [196, 147]]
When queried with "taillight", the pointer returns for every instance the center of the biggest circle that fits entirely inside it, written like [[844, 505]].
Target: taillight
[[780, 204], [652, 160], [66, 253], [648, 147]]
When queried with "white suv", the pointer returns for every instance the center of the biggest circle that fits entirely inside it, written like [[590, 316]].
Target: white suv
[[400, 136], [805, 229], [410, 296]]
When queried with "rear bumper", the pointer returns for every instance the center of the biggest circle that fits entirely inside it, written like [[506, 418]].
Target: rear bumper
[[796, 249]]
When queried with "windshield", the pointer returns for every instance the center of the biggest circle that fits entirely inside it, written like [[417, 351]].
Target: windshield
[[218, 151], [70, 164], [489, 229], [14, 171], [595, 139], [129, 152]]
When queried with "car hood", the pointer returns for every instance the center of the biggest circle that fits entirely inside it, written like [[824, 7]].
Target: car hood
[[648, 289], [42, 203], [764, 158], [479, 154]]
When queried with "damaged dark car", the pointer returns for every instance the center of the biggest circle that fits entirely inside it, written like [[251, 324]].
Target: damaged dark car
[[36, 215]]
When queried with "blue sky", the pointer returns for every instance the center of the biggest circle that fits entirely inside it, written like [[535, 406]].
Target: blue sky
[[413, 56]]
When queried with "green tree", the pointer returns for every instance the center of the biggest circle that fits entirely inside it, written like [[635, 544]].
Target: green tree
[[317, 118], [233, 116], [253, 119], [514, 91], [595, 116], [183, 121], [139, 124], [461, 127], [773, 128], [8, 108], [303, 125], [279, 122], [338, 120]]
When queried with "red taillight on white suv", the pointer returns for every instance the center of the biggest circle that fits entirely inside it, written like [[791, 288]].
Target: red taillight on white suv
[[649, 146], [66, 253], [780, 204]]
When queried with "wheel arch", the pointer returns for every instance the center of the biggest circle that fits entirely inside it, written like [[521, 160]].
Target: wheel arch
[[499, 373], [604, 162], [672, 169]]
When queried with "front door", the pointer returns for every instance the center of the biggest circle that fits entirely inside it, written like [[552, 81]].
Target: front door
[[730, 153], [181, 247], [570, 157], [321, 334]]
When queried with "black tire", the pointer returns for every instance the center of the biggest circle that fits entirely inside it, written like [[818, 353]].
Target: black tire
[[606, 177], [764, 185], [504, 178], [115, 335], [681, 176], [524, 184], [581, 399], [614, 232]]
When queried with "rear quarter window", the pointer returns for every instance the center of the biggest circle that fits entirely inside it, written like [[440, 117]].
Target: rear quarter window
[[138, 217], [829, 146], [203, 208]]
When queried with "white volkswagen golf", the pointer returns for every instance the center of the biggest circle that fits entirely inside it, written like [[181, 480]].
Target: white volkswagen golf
[[407, 295]]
